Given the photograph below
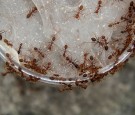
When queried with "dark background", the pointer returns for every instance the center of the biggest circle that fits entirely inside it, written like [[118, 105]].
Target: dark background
[[115, 95]]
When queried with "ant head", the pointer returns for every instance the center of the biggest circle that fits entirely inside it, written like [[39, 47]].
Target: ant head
[[103, 37], [93, 39], [81, 7]]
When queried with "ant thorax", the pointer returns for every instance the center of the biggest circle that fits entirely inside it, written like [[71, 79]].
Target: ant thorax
[[66, 39]]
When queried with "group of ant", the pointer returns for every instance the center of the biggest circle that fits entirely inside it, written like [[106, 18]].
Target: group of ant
[[129, 31], [82, 68], [97, 10], [79, 11]]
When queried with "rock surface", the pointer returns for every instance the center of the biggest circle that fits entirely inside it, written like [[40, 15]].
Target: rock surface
[[113, 96]]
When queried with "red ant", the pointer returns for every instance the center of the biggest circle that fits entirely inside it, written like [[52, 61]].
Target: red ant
[[20, 47], [33, 10], [116, 54], [56, 75], [90, 66], [98, 7], [72, 62], [8, 43], [65, 87], [102, 41], [65, 50], [83, 84], [9, 69], [113, 24], [40, 53], [77, 15], [91, 59], [48, 66], [68, 58], [51, 43], [9, 58], [32, 78]]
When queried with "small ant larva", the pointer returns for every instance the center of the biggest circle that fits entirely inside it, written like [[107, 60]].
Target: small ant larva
[[20, 47], [33, 10]]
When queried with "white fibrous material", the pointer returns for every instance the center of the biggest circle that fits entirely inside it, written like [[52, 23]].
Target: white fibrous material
[[67, 38]]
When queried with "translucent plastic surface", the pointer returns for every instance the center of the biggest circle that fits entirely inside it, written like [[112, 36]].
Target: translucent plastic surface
[[66, 40]]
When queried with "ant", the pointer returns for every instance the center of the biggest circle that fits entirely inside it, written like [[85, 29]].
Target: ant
[[131, 4], [56, 75], [90, 66], [102, 41], [32, 78], [8, 43], [33, 10], [1, 32], [98, 7], [9, 58], [91, 58], [77, 15], [48, 66], [20, 47], [113, 24], [83, 84], [65, 50], [9, 69], [72, 62], [98, 77], [65, 87], [51, 43], [40, 53], [116, 54], [68, 59]]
